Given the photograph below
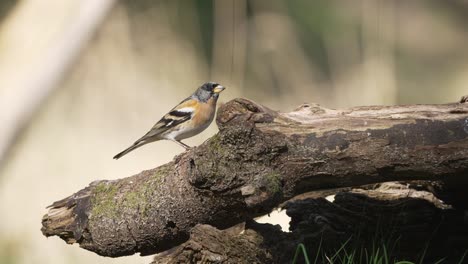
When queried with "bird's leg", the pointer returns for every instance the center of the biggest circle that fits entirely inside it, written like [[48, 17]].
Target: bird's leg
[[180, 143]]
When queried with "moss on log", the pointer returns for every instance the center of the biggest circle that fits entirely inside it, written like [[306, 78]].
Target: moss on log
[[259, 159]]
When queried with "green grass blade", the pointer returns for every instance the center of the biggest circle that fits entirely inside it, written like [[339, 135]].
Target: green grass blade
[[440, 261], [318, 250], [385, 255], [463, 257], [340, 249], [424, 253], [302, 248]]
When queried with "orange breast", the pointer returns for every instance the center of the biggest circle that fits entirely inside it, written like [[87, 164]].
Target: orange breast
[[205, 112]]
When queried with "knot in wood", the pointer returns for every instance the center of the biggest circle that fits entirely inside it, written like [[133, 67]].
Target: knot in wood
[[241, 111], [309, 108]]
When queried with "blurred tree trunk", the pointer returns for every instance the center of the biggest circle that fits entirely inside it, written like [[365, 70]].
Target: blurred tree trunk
[[259, 159], [36, 52]]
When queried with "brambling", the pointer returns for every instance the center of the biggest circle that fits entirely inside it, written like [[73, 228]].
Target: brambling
[[187, 119]]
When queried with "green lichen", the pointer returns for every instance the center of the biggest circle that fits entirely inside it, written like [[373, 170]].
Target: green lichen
[[273, 184], [215, 144], [134, 195], [132, 199], [141, 198], [103, 203], [160, 173]]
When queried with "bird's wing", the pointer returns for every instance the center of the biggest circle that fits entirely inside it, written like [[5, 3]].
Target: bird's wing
[[178, 115]]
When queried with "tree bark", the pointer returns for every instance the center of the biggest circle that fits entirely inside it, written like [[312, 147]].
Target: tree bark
[[233, 245], [410, 222], [259, 159]]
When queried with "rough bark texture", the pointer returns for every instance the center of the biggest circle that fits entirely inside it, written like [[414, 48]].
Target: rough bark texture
[[401, 217], [234, 245], [259, 159]]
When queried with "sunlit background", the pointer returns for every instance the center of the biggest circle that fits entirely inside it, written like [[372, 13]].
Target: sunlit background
[[80, 80]]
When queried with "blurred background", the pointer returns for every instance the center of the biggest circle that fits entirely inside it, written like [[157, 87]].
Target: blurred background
[[80, 80]]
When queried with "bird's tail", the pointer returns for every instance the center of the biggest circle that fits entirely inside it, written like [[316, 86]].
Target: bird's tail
[[129, 149]]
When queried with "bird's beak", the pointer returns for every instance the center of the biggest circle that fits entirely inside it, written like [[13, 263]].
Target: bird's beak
[[219, 89]]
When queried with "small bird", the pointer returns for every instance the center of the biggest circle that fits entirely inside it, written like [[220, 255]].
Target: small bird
[[187, 119]]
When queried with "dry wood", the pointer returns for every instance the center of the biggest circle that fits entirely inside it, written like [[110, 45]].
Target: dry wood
[[259, 159], [396, 215]]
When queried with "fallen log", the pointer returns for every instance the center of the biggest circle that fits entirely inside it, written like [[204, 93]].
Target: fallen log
[[408, 223], [259, 159]]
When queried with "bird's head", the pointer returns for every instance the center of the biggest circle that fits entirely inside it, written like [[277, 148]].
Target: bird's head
[[209, 90]]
